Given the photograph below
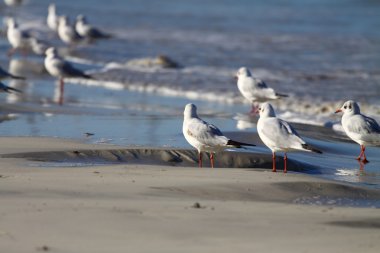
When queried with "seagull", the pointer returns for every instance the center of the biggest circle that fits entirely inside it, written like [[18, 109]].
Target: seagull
[[66, 32], [5, 74], [13, 2], [254, 89], [84, 29], [204, 136], [58, 67], [19, 39], [7, 89], [278, 135], [52, 18], [38, 46], [362, 129]]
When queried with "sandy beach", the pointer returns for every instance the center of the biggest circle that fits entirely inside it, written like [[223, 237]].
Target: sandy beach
[[135, 207]]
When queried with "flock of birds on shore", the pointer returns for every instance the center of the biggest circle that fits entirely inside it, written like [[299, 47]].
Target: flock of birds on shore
[[277, 134], [25, 41]]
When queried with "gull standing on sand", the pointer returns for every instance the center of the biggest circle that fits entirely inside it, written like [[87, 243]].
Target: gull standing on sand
[[204, 136], [362, 129], [52, 18], [8, 89], [5, 74], [66, 32], [58, 67], [278, 135], [86, 30], [19, 39], [254, 89]]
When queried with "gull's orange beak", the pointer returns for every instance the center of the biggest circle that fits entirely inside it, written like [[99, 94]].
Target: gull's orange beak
[[339, 110]]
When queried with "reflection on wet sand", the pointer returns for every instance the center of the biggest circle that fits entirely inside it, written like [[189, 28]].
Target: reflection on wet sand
[[15, 97], [26, 68], [59, 93]]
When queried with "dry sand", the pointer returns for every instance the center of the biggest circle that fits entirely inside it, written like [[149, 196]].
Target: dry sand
[[132, 207]]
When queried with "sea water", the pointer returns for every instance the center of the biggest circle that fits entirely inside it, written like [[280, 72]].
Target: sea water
[[319, 52]]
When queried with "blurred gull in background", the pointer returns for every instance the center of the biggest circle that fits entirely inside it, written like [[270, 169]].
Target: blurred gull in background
[[67, 32], [254, 89], [86, 30], [52, 18]]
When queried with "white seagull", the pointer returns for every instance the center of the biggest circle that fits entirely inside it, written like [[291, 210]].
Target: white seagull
[[52, 18], [204, 136], [58, 67], [66, 32], [254, 89], [278, 135], [8, 89], [19, 39], [86, 30], [5, 74], [362, 129]]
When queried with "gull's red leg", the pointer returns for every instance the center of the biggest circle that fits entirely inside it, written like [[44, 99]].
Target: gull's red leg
[[274, 161], [61, 91], [212, 160], [361, 153], [364, 157], [200, 159], [285, 163]]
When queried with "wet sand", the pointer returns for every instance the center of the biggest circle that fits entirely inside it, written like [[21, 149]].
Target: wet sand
[[49, 205]]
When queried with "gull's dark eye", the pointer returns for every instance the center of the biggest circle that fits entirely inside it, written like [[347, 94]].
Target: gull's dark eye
[[345, 107], [349, 107]]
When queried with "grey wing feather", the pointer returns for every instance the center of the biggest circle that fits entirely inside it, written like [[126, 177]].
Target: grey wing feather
[[205, 132], [71, 71], [372, 125], [285, 125], [213, 129], [261, 84], [25, 34], [97, 34], [280, 130], [363, 124]]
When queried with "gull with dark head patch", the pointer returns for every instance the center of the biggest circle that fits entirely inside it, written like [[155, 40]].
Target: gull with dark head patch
[[18, 38], [88, 31], [52, 18], [205, 137], [279, 136], [254, 89], [67, 32], [58, 67], [362, 129]]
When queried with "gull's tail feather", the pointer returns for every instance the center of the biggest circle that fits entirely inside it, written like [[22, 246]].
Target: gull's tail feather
[[238, 144], [282, 95], [86, 76], [310, 148], [17, 77], [9, 89]]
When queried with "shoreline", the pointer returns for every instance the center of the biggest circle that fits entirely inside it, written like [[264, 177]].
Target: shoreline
[[140, 207]]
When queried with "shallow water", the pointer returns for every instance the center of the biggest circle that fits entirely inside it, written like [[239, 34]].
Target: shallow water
[[319, 52]]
